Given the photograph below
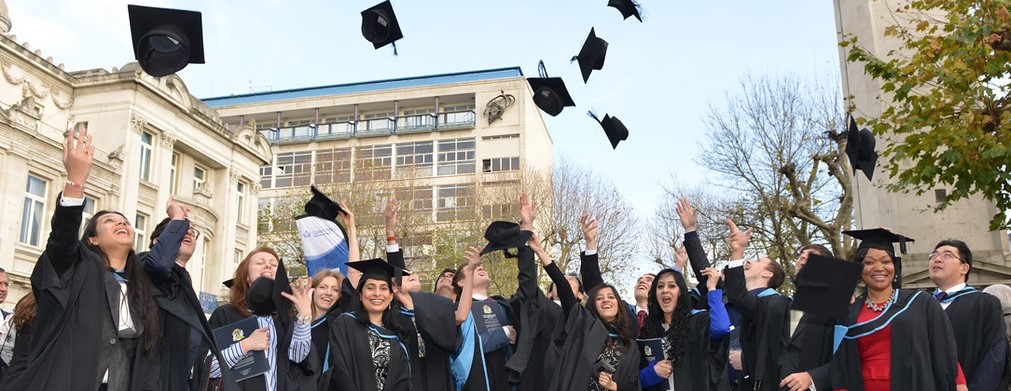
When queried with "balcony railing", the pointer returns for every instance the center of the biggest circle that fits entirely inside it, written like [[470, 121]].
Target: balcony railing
[[372, 127]]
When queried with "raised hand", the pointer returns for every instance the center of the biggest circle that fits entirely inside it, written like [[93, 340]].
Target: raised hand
[[680, 256], [589, 232], [713, 277], [78, 155], [527, 212], [535, 245], [347, 218], [175, 210], [473, 255], [391, 216], [738, 240], [258, 340], [301, 296], [688, 215]]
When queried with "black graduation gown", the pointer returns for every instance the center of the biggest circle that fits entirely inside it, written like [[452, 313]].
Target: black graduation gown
[[810, 350], [435, 317], [352, 357], [70, 338], [589, 270], [19, 356], [581, 343], [718, 351], [764, 329], [321, 344], [977, 322], [922, 346]]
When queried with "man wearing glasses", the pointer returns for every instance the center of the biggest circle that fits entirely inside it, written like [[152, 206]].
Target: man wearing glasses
[[976, 318]]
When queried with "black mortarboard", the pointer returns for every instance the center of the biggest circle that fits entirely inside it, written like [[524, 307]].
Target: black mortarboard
[[613, 128], [165, 40], [550, 94], [228, 283], [378, 269], [880, 238], [626, 7], [591, 56], [380, 26], [860, 149], [503, 235], [321, 206], [825, 285]]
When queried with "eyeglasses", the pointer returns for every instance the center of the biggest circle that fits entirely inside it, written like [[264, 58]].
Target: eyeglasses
[[194, 232], [947, 255]]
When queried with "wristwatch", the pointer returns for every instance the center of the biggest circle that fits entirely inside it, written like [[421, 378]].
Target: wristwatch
[[304, 319]]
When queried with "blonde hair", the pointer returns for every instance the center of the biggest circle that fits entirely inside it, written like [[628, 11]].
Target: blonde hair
[[319, 277]]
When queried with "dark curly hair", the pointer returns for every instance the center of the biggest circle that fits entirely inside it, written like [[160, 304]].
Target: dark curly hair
[[621, 323], [390, 314], [677, 334]]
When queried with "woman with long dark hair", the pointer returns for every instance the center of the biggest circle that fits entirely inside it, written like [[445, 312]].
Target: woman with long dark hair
[[97, 324], [685, 333], [22, 323], [286, 341], [367, 352]]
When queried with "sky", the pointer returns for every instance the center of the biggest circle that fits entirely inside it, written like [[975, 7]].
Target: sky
[[661, 77]]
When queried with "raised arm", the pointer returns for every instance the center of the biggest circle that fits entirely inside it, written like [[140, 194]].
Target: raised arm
[[354, 254], [527, 268], [158, 262], [737, 291], [565, 295], [719, 320], [589, 264], [301, 300], [689, 217], [394, 254], [466, 298], [63, 244]]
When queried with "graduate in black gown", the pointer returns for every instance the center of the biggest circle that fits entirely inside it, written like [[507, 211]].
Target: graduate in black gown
[[896, 339], [806, 359], [96, 323], [593, 336], [976, 318], [326, 285], [367, 352]]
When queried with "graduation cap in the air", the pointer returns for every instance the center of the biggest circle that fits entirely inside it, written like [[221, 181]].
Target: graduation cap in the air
[[322, 206], [860, 149], [380, 26], [613, 128], [378, 269], [504, 235], [550, 94], [626, 7], [591, 56], [825, 285], [884, 240], [165, 40]]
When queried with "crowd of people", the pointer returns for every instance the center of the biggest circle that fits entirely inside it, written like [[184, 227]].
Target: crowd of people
[[101, 315]]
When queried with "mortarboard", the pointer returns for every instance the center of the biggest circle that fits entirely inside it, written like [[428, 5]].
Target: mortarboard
[[591, 56], [550, 93], [378, 269], [165, 40], [503, 235], [860, 149], [322, 206], [613, 128], [626, 7], [825, 286], [380, 26]]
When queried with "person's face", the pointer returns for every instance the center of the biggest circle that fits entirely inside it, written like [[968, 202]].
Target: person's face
[[410, 283], [667, 293], [189, 243], [946, 267], [642, 286], [879, 271], [445, 281], [376, 296], [757, 268], [4, 285], [481, 276], [802, 259], [606, 303], [326, 294], [574, 285], [261, 264], [112, 231]]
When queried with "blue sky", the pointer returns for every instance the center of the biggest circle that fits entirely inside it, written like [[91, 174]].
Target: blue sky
[[660, 77]]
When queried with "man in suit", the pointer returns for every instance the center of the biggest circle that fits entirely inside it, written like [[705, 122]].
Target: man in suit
[[805, 362]]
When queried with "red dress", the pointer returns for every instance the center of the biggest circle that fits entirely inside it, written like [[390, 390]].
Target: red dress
[[876, 356]]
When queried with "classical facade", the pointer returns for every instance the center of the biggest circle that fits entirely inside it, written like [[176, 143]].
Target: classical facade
[[437, 138], [152, 140], [911, 214]]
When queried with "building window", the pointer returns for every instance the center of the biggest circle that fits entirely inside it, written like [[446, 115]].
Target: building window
[[333, 165], [89, 212], [416, 156], [264, 214], [238, 256], [140, 231], [265, 176], [240, 195], [456, 156], [293, 169], [417, 198], [451, 202], [501, 137], [500, 164], [940, 195], [199, 179], [173, 180], [146, 142], [375, 162], [34, 210]]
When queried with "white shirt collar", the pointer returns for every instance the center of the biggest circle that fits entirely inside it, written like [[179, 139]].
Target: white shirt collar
[[956, 288], [479, 297]]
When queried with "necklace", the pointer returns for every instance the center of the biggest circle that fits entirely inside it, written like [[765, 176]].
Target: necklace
[[878, 308]]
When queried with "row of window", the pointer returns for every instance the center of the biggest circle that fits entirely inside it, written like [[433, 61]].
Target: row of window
[[146, 159], [368, 124]]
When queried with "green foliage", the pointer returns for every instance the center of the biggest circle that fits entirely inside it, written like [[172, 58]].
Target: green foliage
[[948, 121]]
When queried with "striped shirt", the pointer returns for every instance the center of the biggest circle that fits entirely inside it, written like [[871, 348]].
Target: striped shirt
[[297, 351]]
